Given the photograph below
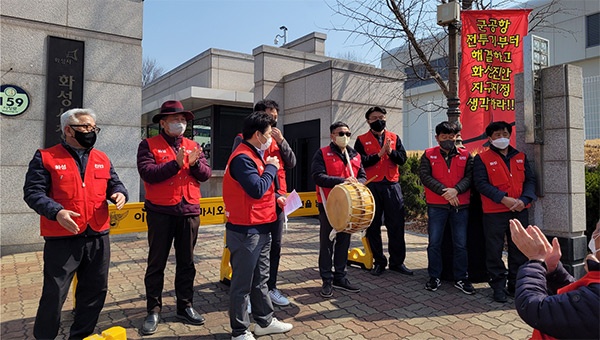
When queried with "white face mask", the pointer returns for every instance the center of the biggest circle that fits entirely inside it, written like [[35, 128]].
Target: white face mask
[[177, 128], [592, 244], [501, 143], [266, 145], [342, 141]]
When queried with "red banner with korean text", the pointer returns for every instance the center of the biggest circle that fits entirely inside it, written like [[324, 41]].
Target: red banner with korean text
[[492, 53]]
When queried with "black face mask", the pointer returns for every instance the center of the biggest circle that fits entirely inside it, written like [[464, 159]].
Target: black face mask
[[85, 139], [447, 144], [274, 124], [377, 125]]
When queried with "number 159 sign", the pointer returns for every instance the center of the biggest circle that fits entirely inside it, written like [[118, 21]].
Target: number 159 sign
[[13, 100]]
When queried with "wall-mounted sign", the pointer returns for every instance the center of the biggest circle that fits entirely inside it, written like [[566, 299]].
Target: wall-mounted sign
[[64, 87], [13, 100]]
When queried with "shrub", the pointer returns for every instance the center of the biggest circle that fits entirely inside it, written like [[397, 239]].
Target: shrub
[[592, 198], [412, 189]]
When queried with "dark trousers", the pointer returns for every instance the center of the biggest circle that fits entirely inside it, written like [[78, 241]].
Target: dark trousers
[[437, 220], [389, 204], [275, 254], [163, 231], [89, 258], [495, 228], [249, 274], [332, 252]]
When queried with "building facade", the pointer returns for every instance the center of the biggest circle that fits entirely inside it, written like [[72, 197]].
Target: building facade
[[312, 90], [108, 35]]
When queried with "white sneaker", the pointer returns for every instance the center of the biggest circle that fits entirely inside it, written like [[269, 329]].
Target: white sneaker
[[275, 327], [246, 336], [277, 298]]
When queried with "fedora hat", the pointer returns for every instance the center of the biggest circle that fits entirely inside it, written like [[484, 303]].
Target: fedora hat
[[171, 107]]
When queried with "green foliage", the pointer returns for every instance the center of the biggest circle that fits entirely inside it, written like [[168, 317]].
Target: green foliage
[[592, 198], [412, 189]]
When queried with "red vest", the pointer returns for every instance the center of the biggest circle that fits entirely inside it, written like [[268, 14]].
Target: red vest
[[67, 188], [510, 181], [334, 166], [183, 184], [240, 208], [448, 177], [385, 168], [586, 280], [273, 151]]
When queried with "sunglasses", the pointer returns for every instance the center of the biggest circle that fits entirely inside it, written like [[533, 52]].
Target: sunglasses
[[342, 134]]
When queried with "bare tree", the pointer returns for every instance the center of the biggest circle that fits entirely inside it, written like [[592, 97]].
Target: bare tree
[[150, 71], [406, 32]]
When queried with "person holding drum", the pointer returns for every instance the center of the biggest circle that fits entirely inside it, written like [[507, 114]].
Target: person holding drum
[[446, 173], [332, 165], [382, 152]]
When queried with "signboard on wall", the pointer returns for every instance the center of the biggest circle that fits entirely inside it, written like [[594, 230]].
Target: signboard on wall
[[64, 85], [13, 100]]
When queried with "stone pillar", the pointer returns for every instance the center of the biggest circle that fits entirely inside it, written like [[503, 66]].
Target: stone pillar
[[559, 163]]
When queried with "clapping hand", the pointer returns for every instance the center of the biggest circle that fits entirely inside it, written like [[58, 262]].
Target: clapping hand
[[533, 244]]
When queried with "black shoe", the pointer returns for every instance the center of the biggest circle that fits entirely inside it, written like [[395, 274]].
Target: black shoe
[[433, 284], [190, 315], [465, 286], [500, 295], [377, 270], [402, 269], [150, 323], [327, 290], [344, 284]]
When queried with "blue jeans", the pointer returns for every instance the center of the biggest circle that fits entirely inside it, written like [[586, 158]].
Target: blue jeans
[[437, 219]]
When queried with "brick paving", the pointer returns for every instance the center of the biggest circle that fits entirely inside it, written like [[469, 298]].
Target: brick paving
[[391, 306]]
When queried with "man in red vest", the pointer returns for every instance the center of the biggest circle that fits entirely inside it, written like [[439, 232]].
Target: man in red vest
[[287, 160], [68, 185], [382, 152], [172, 168], [506, 183], [250, 197], [332, 165], [446, 174], [547, 297]]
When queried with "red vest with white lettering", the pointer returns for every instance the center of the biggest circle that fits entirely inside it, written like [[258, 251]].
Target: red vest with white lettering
[[448, 177], [240, 208], [183, 184], [87, 198], [510, 181], [385, 168], [273, 151], [334, 166]]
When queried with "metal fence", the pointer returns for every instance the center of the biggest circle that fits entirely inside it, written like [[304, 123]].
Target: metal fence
[[591, 106]]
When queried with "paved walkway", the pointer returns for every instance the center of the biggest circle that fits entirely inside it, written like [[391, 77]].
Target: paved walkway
[[391, 306]]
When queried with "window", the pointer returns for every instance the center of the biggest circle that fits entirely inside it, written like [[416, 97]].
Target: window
[[592, 30]]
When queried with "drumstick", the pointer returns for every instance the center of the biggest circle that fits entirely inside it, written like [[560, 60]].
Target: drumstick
[[371, 179]]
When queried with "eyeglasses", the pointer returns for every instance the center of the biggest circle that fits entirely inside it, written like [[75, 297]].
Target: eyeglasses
[[342, 134], [87, 128]]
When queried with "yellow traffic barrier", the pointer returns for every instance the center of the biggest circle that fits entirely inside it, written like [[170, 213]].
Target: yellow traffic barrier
[[132, 217], [225, 270], [113, 333], [358, 257]]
